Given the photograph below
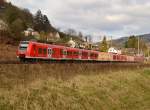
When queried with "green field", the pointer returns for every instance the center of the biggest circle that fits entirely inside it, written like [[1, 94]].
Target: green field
[[36, 87]]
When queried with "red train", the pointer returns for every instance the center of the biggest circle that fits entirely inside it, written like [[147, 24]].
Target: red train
[[29, 50]]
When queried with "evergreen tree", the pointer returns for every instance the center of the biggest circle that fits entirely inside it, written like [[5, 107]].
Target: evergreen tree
[[132, 42], [38, 23], [46, 23], [80, 35], [41, 22], [104, 45]]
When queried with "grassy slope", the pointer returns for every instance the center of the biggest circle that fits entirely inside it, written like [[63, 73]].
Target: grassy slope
[[117, 90], [7, 52]]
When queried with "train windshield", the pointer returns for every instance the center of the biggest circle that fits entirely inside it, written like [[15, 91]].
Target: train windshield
[[23, 46]]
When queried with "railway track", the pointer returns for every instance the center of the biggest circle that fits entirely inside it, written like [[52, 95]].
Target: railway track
[[84, 63], [10, 62]]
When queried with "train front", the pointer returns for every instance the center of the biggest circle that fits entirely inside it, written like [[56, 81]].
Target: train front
[[22, 50]]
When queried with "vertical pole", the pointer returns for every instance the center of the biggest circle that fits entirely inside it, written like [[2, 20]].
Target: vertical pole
[[148, 52], [138, 45], [111, 41]]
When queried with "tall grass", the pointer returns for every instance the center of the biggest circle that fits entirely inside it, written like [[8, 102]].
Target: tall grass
[[7, 52], [15, 75], [74, 87]]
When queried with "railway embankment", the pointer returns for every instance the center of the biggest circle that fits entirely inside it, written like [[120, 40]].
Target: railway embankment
[[7, 52]]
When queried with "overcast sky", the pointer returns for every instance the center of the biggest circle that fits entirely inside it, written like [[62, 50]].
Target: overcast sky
[[115, 18]]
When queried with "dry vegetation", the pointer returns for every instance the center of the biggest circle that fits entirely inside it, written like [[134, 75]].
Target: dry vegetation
[[74, 87], [7, 52]]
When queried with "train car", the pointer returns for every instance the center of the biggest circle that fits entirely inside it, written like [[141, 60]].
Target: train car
[[103, 56], [138, 58], [130, 59], [29, 50], [94, 55], [41, 51]]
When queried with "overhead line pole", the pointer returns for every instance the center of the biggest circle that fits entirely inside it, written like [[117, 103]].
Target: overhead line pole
[[138, 45], [111, 41]]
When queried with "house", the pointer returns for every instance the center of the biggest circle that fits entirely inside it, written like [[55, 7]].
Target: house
[[31, 32], [114, 50], [57, 36], [28, 32], [3, 25], [53, 36], [72, 43]]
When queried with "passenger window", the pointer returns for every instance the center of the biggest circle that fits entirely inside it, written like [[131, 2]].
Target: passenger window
[[85, 54], [63, 52], [53, 51], [40, 51], [76, 53], [80, 53], [44, 51], [96, 55], [69, 53]]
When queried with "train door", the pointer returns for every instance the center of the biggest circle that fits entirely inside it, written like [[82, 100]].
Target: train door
[[34, 51], [89, 55], [80, 55], [49, 52]]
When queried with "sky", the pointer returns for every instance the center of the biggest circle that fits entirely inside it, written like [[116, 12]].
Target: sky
[[116, 18]]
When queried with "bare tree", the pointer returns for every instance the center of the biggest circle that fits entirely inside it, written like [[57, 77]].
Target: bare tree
[[71, 32], [80, 35], [89, 38]]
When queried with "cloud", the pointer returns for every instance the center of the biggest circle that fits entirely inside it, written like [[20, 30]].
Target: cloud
[[97, 17]]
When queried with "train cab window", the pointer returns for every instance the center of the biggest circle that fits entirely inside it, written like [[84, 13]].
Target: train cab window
[[40, 51], [23, 48], [45, 51], [23, 45]]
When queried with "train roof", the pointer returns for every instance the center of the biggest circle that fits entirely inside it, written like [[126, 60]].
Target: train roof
[[34, 42]]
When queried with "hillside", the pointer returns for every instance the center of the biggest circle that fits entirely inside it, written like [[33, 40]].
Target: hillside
[[121, 41], [16, 20]]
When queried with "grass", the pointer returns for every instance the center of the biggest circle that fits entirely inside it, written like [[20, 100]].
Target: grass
[[7, 52], [74, 87]]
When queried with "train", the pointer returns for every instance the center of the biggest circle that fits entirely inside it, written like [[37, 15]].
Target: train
[[36, 51]]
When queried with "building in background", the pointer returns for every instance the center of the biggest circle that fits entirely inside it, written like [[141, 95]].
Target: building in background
[[72, 43], [114, 50], [30, 32], [3, 25], [53, 36]]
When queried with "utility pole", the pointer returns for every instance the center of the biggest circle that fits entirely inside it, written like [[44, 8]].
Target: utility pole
[[138, 45], [148, 52], [111, 41]]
